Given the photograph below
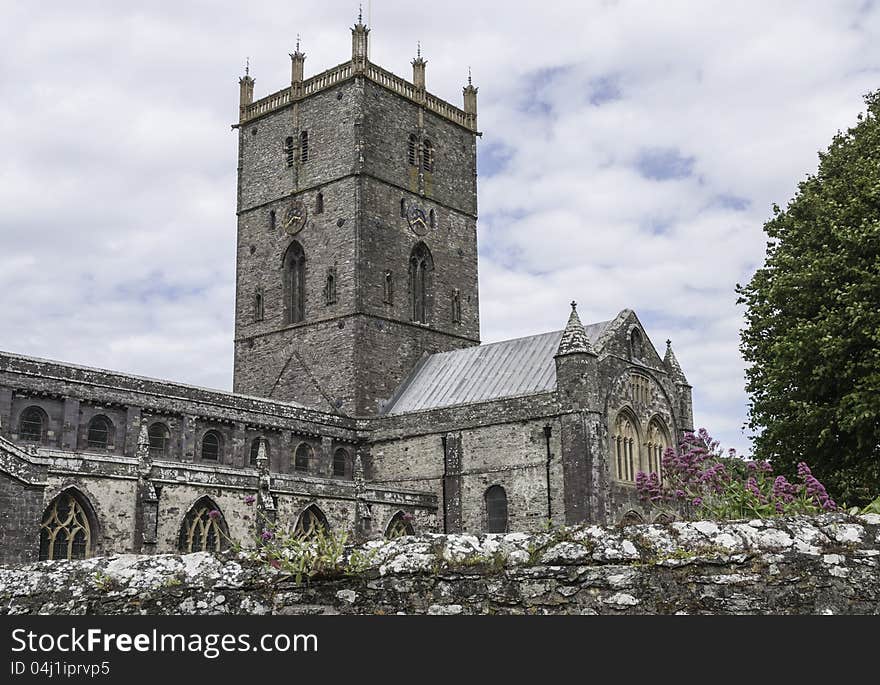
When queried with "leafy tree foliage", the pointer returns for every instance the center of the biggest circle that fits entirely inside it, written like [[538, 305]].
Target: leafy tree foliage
[[812, 334]]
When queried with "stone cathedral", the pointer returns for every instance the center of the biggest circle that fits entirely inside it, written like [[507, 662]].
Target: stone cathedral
[[363, 400]]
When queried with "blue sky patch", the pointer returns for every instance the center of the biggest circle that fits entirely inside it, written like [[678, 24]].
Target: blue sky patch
[[663, 164], [605, 89], [493, 158]]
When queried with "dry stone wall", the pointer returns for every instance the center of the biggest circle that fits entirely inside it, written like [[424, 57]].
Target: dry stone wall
[[822, 565]]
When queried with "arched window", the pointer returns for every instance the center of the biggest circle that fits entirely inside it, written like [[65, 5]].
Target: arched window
[[294, 283], [399, 526], [631, 518], [255, 449], [625, 446], [388, 288], [100, 433], [330, 286], [212, 445], [288, 150], [319, 204], [272, 219], [66, 530], [304, 147], [663, 519], [258, 305], [159, 437], [432, 219], [496, 509], [302, 457], [658, 441], [402, 207], [636, 348], [33, 425], [310, 522], [428, 156], [420, 265], [340, 463], [203, 529], [412, 150]]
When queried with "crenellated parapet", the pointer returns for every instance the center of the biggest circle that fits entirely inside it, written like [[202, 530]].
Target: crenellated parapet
[[358, 66]]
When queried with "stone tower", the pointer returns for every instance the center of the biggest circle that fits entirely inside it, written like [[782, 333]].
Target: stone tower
[[357, 245]]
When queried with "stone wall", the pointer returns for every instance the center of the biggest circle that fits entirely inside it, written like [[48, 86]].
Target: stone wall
[[822, 565]]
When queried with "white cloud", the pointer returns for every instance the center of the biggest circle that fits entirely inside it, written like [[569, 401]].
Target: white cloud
[[117, 182]]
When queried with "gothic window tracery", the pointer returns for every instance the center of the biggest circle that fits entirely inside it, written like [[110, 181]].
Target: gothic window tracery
[[311, 522], [66, 530], [203, 529], [625, 445], [399, 526], [658, 442]]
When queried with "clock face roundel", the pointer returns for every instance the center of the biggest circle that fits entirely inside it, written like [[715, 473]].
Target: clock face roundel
[[418, 221], [295, 218]]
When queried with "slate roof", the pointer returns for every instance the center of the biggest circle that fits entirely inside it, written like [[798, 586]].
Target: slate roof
[[511, 368]]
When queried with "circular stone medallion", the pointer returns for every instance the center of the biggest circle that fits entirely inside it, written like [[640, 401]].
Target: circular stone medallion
[[295, 218], [418, 221]]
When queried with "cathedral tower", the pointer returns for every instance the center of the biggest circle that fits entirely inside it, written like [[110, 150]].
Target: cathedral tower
[[357, 246]]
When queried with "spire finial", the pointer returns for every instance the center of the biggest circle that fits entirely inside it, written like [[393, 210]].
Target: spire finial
[[419, 49], [361, 13], [247, 66], [470, 83], [297, 42], [574, 306], [668, 343]]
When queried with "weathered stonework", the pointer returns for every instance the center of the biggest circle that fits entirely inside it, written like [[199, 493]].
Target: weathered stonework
[[356, 268], [824, 565]]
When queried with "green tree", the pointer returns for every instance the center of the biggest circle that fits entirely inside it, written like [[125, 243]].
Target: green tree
[[812, 333]]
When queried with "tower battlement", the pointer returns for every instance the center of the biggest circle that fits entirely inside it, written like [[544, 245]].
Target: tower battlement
[[357, 235], [359, 65]]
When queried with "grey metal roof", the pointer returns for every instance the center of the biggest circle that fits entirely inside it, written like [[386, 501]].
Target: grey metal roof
[[510, 368]]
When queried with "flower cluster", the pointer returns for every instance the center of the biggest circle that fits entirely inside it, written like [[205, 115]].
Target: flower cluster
[[699, 480], [814, 488]]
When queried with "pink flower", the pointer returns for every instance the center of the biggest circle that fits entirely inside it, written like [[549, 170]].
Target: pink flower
[[214, 514], [249, 500]]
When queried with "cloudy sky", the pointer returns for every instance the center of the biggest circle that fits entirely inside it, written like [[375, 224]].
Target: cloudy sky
[[631, 153]]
